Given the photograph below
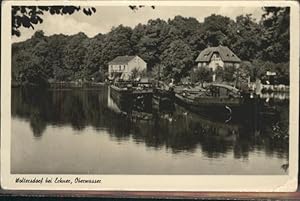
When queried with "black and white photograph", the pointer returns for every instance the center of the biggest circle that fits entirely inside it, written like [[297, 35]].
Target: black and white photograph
[[150, 89]]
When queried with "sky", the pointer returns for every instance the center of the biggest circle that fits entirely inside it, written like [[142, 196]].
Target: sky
[[107, 17]]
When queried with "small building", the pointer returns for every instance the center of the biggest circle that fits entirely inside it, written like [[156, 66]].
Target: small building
[[123, 66], [222, 56]]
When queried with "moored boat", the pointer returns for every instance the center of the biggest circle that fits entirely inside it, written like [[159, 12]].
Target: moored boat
[[213, 98], [132, 95]]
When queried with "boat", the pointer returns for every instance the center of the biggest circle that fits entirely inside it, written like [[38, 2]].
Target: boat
[[213, 98], [163, 97], [132, 95]]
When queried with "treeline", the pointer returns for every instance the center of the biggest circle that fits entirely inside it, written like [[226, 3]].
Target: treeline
[[169, 47]]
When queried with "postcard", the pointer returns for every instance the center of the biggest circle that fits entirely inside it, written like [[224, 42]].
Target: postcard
[[182, 96]]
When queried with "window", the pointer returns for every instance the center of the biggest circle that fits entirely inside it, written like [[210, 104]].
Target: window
[[215, 57]]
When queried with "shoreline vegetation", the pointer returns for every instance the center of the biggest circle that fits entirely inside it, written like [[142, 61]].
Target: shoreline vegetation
[[169, 47], [62, 84]]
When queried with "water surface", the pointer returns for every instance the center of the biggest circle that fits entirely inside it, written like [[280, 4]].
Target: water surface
[[82, 132]]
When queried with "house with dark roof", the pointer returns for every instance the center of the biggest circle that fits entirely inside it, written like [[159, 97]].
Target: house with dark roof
[[222, 56], [122, 66]]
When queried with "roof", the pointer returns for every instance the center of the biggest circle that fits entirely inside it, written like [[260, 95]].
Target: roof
[[231, 88], [119, 60], [225, 53]]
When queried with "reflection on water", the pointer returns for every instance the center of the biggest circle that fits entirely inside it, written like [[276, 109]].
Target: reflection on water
[[84, 131], [274, 95]]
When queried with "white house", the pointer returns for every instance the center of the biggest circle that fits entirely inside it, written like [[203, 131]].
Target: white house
[[222, 56], [122, 66]]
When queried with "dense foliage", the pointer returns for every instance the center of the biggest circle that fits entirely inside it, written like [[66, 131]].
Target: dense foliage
[[169, 47], [28, 16]]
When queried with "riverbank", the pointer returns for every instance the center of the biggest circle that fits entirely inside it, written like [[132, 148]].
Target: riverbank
[[258, 89], [61, 84]]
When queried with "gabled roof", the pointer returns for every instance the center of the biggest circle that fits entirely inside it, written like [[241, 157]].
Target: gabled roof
[[121, 60], [225, 53]]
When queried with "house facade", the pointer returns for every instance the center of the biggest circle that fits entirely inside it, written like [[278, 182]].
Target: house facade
[[222, 56], [122, 66]]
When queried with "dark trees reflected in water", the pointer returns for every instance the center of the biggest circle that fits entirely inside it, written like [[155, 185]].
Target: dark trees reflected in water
[[177, 131]]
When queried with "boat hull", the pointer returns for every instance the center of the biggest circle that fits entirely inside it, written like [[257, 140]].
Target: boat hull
[[132, 99], [163, 100], [210, 104]]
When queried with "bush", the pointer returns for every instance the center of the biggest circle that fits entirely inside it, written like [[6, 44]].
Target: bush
[[259, 68], [202, 74], [98, 77]]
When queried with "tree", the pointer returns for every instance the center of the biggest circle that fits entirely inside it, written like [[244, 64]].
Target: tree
[[229, 73], [153, 41], [187, 29], [201, 75], [245, 70], [216, 29], [116, 43], [30, 65], [276, 34], [244, 37], [94, 62], [177, 59], [169, 47], [75, 53], [258, 69], [157, 72], [134, 73], [137, 33], [28, 16]]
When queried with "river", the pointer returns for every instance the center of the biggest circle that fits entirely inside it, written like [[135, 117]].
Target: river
[[81, 131]]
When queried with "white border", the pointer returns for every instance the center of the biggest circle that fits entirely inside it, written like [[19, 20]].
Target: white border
[[253, 183]]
